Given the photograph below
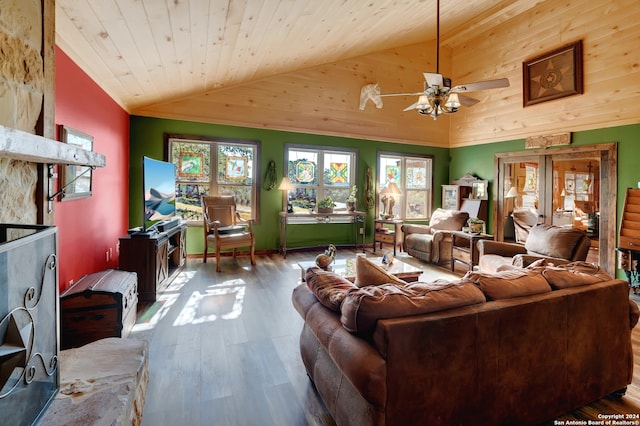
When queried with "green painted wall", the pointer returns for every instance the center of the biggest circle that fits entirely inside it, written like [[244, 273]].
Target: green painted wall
[[147, 139], [478, 160]]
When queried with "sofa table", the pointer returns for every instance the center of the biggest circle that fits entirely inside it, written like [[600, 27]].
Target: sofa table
[[464, 248], [358, 219]]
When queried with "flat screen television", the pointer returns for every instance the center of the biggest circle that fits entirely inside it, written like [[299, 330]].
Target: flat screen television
[[159, 182]]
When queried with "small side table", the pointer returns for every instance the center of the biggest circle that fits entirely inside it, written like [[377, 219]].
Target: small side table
[[385, 235], [463, 248]]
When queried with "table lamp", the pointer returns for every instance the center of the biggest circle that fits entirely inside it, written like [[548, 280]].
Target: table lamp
[[285, 187], [512, 194], [388, 201]]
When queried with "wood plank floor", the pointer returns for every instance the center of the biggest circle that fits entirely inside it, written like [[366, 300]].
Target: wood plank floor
[[224, 348]]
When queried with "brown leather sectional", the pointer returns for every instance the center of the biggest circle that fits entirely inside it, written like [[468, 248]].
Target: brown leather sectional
[[519, 360]]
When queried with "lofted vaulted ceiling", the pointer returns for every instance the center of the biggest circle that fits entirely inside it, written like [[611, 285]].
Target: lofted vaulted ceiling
[[281, 64]]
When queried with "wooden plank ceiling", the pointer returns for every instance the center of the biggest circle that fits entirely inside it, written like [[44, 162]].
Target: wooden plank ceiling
[[282, 64]]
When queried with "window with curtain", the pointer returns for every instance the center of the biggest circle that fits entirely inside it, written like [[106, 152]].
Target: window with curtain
[[412, 176], [214, 166]]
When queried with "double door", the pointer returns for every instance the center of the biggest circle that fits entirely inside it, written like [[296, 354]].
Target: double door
[[568, 187]]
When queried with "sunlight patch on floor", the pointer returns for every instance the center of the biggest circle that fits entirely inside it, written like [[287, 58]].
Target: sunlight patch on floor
[[152, 316], [219, 301], [181, 280]]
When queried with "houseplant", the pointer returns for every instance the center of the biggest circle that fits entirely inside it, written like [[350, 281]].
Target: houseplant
[[326, 205], [352, 199], [476, 225]]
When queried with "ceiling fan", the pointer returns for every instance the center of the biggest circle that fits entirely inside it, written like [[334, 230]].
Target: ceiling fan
[[438, 97]]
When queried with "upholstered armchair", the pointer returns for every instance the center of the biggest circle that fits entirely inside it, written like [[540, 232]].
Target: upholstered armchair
[[524, 219], [558, 245], [432, 243], [224, 228]]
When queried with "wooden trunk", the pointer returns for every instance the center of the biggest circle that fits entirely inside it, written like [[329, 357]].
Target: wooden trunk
[[99, 305]]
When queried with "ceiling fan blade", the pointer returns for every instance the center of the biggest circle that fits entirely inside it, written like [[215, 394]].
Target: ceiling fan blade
[[433, 79], [402, 94], [411, 107], [481, 85], [467, 100]]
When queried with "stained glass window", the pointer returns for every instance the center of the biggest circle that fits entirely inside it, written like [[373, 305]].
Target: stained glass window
[[211, 166], [319, 173], [413, 176]]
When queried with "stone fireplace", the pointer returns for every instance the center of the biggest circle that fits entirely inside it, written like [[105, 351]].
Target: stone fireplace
[[29, 350]]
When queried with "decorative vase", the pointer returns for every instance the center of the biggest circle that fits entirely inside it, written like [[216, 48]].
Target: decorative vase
[[325, 209], [325, 259]]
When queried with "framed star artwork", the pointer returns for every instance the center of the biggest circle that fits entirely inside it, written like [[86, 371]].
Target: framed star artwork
[[553, 75]]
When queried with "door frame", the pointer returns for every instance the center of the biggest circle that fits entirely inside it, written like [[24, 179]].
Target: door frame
[[608, 154]]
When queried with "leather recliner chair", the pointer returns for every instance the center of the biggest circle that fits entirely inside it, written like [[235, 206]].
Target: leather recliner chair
[[432, 243], [556, 244]]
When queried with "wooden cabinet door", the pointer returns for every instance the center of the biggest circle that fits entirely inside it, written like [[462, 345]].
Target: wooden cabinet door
[[162, 262]]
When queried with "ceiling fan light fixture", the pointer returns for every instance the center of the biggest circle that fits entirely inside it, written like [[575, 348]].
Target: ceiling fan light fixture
[[453, 102], [438, 97]]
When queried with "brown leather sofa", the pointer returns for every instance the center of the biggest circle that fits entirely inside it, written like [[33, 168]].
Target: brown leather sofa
[[555, 244], [432, 243], [523, 359]]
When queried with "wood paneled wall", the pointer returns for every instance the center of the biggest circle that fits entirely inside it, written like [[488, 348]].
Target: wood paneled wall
[[610, 31], [324, 99]]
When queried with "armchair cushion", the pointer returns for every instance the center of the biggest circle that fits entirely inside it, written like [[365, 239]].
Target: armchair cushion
[[526, 260], [554, 241], [233, 229], [448, 220]]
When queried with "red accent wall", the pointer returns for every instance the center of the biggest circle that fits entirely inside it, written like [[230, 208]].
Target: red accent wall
[[89, 228]]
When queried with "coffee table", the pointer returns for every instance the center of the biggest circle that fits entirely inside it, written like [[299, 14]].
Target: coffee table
[[399, 269]]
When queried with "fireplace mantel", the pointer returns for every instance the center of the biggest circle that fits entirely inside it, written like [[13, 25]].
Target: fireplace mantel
[[24, 146]]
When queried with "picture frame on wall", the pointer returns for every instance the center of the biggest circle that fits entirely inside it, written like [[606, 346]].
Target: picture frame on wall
[[553, 75], [75, 181]]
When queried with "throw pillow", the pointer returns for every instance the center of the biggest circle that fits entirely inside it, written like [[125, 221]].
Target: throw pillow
[[362, 308], [448, 220], [328, 287], [553, 241], [509, 283], [368, 273], [574, 274]]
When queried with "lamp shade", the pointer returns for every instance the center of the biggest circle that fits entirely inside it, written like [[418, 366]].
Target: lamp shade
[[285, 185], [391, 188], [513, 193]]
